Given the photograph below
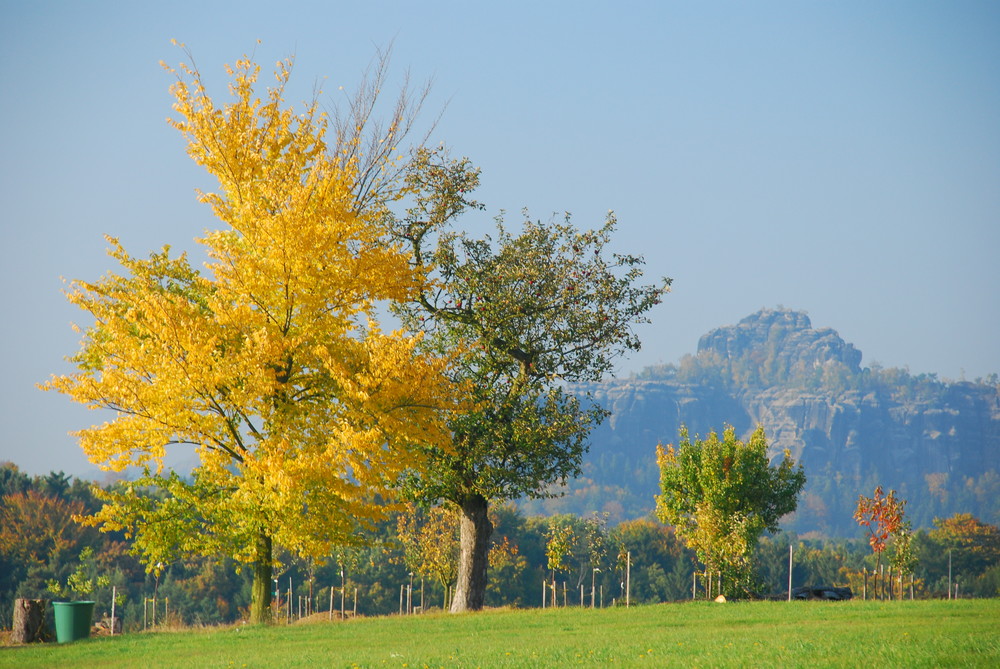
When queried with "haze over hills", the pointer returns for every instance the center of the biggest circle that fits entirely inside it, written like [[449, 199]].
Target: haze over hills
[[936, 442]]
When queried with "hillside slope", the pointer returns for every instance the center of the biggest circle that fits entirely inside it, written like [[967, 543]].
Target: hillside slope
[[852, 428]]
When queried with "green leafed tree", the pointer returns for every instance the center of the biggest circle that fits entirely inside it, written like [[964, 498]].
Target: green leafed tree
[[525, 312], [576, 546], [722, 494]]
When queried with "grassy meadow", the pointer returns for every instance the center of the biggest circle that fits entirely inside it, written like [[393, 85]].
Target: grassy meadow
[[962, 633]]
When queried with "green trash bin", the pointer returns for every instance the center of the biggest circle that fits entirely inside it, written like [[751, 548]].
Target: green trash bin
[[73, 620]]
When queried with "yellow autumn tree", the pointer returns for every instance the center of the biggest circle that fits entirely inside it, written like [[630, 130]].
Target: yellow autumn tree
[[429, 538], [270, 361]]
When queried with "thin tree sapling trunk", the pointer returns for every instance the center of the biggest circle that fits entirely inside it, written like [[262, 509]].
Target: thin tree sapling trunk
[[260, 596]]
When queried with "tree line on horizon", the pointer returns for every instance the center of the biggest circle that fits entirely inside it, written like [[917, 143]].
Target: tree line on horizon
[[40, 544]]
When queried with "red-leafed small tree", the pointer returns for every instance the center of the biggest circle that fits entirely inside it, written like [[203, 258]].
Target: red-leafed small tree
[[882, 516]]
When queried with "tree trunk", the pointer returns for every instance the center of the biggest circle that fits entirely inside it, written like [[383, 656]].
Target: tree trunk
[[260, 595], [29, 621], [476, 529]]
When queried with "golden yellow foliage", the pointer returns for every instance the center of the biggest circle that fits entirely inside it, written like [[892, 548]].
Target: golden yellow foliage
[[430, 541], [271, 361]]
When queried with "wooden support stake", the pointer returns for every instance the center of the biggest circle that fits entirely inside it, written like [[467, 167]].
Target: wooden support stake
[[790, 549], [628, 579]]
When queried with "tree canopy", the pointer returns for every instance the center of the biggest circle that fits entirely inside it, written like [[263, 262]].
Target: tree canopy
[[525, 313], [722, 494], [271, 363]]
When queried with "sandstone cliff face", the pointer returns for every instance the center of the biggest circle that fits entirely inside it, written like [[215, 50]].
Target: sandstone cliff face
[[904, 440], [938, 444]]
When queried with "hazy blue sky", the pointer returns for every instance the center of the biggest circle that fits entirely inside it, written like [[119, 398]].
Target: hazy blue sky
[[842, 158]]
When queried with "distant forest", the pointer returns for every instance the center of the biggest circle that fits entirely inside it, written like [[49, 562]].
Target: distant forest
[[40, 543]]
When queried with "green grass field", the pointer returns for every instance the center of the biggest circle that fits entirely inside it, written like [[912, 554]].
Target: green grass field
[[774, 634]]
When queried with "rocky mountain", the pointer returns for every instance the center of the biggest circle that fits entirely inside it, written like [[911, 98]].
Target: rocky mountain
[[937, 443]]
